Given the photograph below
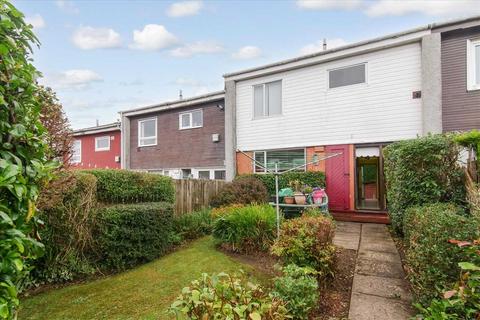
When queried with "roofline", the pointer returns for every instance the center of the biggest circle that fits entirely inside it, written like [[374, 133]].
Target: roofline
[[97, 129], [213, 96]]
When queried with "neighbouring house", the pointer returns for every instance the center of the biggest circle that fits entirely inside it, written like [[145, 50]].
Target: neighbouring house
[[352, 101], [97, 147], [180, 139]]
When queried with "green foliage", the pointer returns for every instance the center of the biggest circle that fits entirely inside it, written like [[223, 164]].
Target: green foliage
[[431, 260], [193, 225], [310, 178], [241, 191], [314, 212], [307, 241], [130, 234], [471, 140], [226, 297], [246, 229], [23, 164], [124, 186], [298, 286], [420, 171]]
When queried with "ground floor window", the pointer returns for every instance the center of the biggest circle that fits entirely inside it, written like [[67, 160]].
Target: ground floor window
[[285, 159], [204, 174]]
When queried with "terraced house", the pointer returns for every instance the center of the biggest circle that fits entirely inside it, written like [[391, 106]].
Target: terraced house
[[353, 100]]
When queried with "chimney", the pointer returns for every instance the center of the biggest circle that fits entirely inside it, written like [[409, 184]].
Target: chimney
[[324, 44], [180, 95]]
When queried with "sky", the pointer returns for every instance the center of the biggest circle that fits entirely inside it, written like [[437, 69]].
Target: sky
[[102, 57]]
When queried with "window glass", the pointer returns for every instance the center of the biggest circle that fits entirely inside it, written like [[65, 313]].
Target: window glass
[[197, 118], [77, 152], [102, 143], [219, 175], [186, 173], [258, 101], [204, 174], [259, 157], [477, 64], [185, 118], [347, 76], [274, 97], [148, 132], [286, 159]]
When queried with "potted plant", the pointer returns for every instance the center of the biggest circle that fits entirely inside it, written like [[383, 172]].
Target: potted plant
[[287, 194], [307, 191], [298, 194]]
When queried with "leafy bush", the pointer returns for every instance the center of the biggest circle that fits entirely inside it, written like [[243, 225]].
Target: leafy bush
[[311, 178], [246, 229], [241, 191], [298, 286], [193, 225], [431, 260], [314, 212], [307, 242], [471, 140], [222, 211], [131, 234], [124, 186], [225, 297], [420, 171]]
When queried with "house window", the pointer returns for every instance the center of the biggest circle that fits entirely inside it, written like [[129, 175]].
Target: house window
[[102, 143], [190, 120], [473, 64], [267, 99], [219, 175], [186, 173], [147, 132], [347, 76], [286, 160], [77, 151], [204, 174]]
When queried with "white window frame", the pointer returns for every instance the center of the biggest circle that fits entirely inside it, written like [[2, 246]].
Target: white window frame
[[139, 127], [263, 84], [350, 85], [102, 149], [265, 159], [471, 64], [190, 125], [80, 155]]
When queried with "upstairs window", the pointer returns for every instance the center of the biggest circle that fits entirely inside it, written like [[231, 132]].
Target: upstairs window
[[102, 143], [147, 132], [190, 120], [267, 99], [285, 159], [76, 151], [473, 64], [347, 76]]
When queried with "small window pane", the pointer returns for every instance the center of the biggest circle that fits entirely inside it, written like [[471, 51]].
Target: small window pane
[[102, 143], [219, 174], [477, 64], [259, 161], [197, 118], [186, 173], [185, 118], [274, 97], [258, 101], [148, 128], [204, 175], [347, 76], [76, 151], [147, 141]]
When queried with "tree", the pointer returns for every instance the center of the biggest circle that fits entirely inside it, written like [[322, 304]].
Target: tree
[[59, 133], [23, 155]]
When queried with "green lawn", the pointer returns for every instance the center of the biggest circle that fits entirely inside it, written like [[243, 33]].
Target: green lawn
[[141, 293]]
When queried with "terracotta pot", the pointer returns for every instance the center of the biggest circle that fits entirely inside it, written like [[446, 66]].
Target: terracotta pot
[[300, 198], [289, 200]]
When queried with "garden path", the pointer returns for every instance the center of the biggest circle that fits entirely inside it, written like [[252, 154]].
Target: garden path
[[380, 291]]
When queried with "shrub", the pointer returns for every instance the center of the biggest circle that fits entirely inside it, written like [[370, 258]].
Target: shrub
[[298, 286], [314, 212], [311, 178], [420, 171], [124, 186], [431, 260], [246, 229], [307, 242], [222, 211], [225, 297], [193, 225], [241, 191], [132, 234]]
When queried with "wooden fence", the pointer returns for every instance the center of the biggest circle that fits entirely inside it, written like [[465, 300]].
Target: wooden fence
[[192, 195]]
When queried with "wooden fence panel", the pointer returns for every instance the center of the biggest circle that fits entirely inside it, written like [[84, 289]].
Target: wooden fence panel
[[192, 195]]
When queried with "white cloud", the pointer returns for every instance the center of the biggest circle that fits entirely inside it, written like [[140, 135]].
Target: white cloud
[[67, 6], [328, 4], [427, 7], [153, 37], [247, 52], [72, 79], [36, 21], [88, 38], [184, 8], [318, 45], [199, 47]]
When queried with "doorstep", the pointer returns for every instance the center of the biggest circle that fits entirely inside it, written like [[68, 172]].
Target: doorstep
[[361, 216]]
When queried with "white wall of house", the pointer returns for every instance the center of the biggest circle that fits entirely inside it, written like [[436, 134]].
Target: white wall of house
[[382, 109]]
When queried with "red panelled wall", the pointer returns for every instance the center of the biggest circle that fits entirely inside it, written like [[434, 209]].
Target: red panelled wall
[[99, 159]]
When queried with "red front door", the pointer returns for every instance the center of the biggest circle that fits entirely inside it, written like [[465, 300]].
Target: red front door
[[337, 174]]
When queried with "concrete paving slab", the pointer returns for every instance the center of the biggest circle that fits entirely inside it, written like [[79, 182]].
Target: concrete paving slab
[[371, 307], [380, 256], [379, 268], [383, 287], [379, 246]]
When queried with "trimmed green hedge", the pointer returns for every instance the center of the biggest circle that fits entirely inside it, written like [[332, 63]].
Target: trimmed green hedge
[[131, 234], [431, 260], [193, 225], [123, 186], [311, 178], [420, 171], [246, 190]]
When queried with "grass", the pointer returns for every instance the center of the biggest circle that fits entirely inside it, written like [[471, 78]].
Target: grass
[[142, 293]]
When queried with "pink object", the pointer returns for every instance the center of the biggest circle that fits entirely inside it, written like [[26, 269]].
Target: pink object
[[337, 173], [318, 195]]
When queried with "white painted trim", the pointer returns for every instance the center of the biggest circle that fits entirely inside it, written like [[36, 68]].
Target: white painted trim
[[80, 156], [150, 137], [190, 126], [102, 149], [471, 65]]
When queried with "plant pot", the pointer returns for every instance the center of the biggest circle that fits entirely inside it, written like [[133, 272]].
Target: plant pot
[[289, 200], [300, 198]]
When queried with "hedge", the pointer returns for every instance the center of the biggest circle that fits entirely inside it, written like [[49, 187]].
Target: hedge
[[311, 178], [123, 186], [193, 225], [419, 171], [246, 190], [432, 262], [131, 234]]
